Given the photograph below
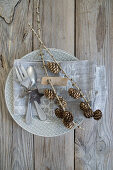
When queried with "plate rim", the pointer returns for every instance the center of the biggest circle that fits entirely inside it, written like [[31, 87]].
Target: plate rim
[[12, 114]]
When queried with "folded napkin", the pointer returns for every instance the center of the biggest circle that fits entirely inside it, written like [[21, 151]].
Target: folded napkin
[[89, 77]]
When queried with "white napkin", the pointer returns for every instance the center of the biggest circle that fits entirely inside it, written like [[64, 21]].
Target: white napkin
[[89, 77]]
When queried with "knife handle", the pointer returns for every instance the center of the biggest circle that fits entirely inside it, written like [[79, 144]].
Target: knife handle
[[29, 112], [40, 112]]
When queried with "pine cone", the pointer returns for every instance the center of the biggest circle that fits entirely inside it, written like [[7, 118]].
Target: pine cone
[[68, 117], [68, 124], [84, 106], [74, 93], [49, 93], [88, 113], [59, 113], [97, 114], [64, 103], [53, 67]]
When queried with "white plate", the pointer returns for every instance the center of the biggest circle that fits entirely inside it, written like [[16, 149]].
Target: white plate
[[40, 128]]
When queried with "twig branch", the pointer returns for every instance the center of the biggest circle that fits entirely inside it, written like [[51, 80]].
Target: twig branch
[[72, 81], [41, 54], [49, 81], [44, 65]]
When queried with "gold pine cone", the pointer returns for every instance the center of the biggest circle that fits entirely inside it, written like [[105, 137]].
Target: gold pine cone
[[88, 113], [84, 106], [97, 114], [49, 93], [68, 117], [68, 124], [74, 93], [53, 67], [59, 113], [64, 103]]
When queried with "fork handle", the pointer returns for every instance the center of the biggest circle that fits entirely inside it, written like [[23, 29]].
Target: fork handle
[[40, 112], [29, 112]]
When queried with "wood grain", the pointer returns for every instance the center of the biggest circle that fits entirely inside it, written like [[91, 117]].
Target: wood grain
[[57, 20], [93, 147], [7, 10], [94, 41], [16, 145]]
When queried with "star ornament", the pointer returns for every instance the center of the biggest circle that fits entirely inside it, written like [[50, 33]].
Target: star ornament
[[35, 95]]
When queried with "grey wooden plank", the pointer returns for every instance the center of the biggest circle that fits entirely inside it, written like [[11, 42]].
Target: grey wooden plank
[[7, 10], [93, 146], [57, 22], [16, 145]]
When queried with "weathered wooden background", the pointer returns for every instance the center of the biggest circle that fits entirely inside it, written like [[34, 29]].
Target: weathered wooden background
[[84, 28]]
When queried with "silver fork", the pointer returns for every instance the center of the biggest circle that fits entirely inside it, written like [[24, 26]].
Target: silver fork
[[24, 82], [22, 76]]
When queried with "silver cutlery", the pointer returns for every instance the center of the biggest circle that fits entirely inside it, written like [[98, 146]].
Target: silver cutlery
[[24, 82], [29, 112], [22, 76], [28, 79], [33, 77]]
